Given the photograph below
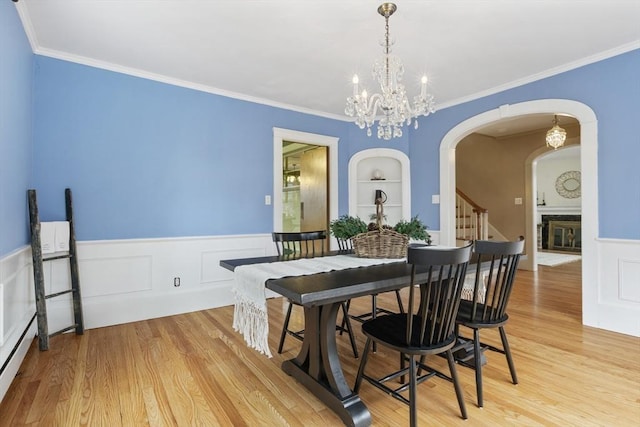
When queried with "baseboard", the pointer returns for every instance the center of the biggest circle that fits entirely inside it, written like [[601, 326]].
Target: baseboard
[[12, 364]]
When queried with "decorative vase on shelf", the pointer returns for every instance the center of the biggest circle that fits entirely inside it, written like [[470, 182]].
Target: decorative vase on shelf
[[377, 175]]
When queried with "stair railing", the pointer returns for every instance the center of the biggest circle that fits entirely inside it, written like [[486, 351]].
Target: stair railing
[[472, 220]]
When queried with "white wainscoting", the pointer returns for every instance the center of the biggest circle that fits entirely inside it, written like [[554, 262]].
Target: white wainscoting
[[121, 281], [17, 308], [129, 280], [618, 293]]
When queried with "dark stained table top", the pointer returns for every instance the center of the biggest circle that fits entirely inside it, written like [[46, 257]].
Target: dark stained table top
[[333, 286]]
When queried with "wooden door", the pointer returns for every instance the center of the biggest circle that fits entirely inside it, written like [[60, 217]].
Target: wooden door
[[314, 206]]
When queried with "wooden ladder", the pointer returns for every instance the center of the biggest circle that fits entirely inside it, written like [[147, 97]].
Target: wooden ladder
[[38, 272]]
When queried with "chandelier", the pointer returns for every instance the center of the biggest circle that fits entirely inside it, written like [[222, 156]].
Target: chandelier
[[556, 135], [391, 106]]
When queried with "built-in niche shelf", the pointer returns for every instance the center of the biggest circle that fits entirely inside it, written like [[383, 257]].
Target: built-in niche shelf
[[380, 169]]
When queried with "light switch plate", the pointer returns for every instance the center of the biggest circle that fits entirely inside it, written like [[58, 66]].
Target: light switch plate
[[518, 200], [267, 200], [435, 199]]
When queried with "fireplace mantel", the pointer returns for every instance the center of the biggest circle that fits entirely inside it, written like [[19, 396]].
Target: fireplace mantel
[[560, 210]]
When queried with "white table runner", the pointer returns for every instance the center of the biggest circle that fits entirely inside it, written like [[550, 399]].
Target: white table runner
[[250, 312]]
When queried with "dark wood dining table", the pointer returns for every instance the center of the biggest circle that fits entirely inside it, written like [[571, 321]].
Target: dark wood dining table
[[317, 365]]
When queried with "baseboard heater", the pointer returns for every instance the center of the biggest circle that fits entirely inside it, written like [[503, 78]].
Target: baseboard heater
[[17, 346]]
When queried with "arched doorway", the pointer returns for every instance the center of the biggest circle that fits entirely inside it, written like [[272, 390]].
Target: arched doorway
[[589, 167], [531, 174]]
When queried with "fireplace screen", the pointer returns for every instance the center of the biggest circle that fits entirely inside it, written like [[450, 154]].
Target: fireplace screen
[[565, 236]]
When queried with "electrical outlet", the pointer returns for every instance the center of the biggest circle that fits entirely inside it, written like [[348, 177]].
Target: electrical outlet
[[176, 281]]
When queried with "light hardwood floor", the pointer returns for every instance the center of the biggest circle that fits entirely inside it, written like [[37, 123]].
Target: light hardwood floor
[[194, 370]]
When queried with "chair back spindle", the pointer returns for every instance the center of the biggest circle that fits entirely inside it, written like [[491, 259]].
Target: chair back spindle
[[433, 320], [345, 245], [487, 309], [300, 244], [427, 328], [502, 259]]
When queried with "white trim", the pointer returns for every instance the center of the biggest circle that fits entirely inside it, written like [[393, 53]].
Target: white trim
[[601, 56], [65, 56], [28, 26], [169, 239], [13, 364], [589, 167], [531, 215], [90, 62], [280, 135], [116, 68]]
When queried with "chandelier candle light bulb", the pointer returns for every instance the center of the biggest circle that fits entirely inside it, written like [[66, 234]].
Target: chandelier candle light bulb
[[423, 89], [392, 102]]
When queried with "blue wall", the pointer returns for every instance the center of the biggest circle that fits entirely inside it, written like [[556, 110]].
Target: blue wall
[[147, 159], [16, 76], [611, 88]]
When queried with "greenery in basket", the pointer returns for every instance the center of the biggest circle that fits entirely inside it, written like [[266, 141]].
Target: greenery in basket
[[348, 226], [415, 229]]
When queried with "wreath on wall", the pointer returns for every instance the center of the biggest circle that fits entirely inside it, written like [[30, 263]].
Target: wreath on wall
[[569, 184]]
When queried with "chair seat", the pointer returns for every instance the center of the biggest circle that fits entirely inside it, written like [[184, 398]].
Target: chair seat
[[464, 316], [427, 328], [392, 329]]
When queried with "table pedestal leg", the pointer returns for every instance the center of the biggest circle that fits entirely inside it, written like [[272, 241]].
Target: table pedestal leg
[[318, 368]]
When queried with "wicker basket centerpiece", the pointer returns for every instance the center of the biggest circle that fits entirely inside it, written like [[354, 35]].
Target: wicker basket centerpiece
[[382, 243], [376, 240]]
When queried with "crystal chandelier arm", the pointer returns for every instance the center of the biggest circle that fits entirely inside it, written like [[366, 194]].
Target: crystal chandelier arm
[[368, 106]]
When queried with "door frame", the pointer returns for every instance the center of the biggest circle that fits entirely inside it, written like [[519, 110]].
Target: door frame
[[589, 167], [279, 136]]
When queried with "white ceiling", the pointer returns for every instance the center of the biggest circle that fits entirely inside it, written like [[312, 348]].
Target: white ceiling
[[301, 54]]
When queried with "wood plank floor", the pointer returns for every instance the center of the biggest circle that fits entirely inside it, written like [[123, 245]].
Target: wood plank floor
[[194, 370]]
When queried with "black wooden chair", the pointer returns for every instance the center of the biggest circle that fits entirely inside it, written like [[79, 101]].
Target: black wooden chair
[[428, 329], [495, 265], [300, 244], [308, 244], [345, 245]]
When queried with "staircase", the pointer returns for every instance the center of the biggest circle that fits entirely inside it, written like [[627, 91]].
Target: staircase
[[472, 220]]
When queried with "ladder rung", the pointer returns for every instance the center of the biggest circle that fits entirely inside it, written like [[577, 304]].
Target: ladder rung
[[68, 328], [57, 257], [57, 294]]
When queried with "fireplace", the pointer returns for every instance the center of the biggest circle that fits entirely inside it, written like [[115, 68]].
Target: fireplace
[[562, 233]]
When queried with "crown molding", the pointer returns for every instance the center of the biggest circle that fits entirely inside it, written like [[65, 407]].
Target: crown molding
[[544, 74]]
